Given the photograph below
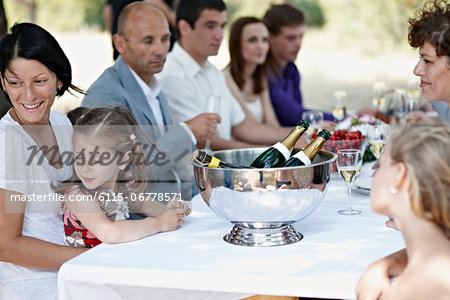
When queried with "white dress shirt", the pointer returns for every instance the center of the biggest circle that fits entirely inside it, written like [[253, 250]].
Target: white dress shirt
[[187, 85], [151, 92]]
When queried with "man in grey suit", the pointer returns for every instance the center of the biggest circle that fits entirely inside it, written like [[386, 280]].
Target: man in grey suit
[[143, 41]]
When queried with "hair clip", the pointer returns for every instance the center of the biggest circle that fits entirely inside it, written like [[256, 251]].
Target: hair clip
[[132, 137]]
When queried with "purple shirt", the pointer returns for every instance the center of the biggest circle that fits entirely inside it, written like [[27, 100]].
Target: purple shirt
[[287, 98]]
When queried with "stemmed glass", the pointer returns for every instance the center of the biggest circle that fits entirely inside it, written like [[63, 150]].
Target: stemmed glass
[[399, 105], [212, 106], [340, 98], [379, 99], [414, 91], [315, 120], [349, 163], [377, 138]]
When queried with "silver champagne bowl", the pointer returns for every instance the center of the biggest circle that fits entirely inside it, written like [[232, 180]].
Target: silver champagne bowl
[[263, 203]]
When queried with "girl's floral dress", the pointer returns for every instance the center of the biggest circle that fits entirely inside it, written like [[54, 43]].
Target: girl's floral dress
[[75, 234]]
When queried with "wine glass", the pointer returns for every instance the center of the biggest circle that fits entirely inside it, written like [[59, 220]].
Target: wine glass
[[349, 163], [414, 91], [379, 99], [377, 138], [399, 105], [340, 97], [212, 106], [315, 120]]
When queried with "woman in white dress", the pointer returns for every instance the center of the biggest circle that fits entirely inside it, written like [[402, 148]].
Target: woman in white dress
[[246, 75], [34, 71]]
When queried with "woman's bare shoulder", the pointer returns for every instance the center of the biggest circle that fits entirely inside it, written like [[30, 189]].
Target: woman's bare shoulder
[[427, 279]]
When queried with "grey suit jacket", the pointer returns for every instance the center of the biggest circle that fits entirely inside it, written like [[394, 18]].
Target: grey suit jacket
[[118, 87]]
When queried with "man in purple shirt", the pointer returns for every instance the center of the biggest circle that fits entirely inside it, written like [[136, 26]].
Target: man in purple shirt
[[286, 26]]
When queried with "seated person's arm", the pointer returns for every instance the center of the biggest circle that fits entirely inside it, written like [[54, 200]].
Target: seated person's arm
[[253, 132], [218, 143], [376, 279], [28, 251], [92, 217], [203, 127]]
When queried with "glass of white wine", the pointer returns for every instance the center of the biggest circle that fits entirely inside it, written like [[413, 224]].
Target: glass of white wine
[[340, 97], [399, 105], [315, 120], [212, 106], [379, 99], [349, 164], [377, 138]]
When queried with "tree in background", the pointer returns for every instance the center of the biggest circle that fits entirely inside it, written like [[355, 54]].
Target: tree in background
[[3, 23], [376, 24], [56, 14]]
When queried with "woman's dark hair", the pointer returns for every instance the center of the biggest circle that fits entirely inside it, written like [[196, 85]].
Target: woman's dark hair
[[237, 61], [190, 10], [30, 41], [431, 24]]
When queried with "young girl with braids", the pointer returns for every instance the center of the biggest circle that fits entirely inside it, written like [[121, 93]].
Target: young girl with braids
[[109, 175]]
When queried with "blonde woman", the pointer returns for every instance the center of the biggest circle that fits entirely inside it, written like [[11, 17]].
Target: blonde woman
[[245, 75], [412, 184]]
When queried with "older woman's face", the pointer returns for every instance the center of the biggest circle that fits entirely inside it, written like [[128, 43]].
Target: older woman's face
[[434, 72], [31, 86], [255, 43]]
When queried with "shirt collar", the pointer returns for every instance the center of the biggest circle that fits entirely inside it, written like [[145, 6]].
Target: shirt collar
[[152, 90], [191, 67]]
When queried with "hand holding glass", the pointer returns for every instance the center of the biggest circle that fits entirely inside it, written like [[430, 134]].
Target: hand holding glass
[[349, 163], [212, 106]]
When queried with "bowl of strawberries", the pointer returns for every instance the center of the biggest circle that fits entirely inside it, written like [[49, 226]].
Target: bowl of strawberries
[[345, 139]]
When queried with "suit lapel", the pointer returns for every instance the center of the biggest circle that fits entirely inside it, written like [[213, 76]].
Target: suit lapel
[[136, 99]]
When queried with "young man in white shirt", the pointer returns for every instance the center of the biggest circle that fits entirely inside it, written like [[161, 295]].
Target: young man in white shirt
[[188, 78]]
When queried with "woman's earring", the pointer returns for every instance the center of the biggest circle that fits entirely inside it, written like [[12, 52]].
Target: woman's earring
[[393, 190]]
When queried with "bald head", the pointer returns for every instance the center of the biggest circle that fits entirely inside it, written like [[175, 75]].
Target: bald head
[[132, 13], [143, 39]]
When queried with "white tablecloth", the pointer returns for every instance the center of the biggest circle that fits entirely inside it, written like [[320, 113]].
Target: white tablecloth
[[195, 263]]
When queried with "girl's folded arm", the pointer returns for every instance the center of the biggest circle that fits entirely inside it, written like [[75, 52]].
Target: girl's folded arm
[[92, 217]]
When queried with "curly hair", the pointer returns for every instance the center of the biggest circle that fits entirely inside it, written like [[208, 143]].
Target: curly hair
[[423, 148], [431, 24]]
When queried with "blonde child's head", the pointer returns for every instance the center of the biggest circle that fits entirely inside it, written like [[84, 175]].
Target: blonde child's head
[[108, 152], [424, 149]]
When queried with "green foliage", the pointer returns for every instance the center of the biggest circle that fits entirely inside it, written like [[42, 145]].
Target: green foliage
[[311, 8], [239, 8], [375, 25], [313, 12], [57, 14], [93, 13]]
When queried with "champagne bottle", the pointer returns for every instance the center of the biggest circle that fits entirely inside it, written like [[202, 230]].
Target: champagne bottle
[[281, 151], [210, 161], [306, 156]]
